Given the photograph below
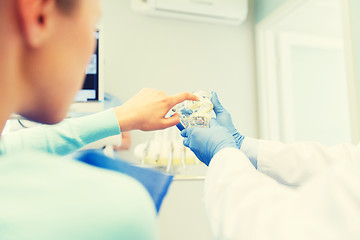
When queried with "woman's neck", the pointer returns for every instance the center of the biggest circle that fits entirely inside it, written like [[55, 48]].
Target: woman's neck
[[8, 81], [3, 121], [7, 98]]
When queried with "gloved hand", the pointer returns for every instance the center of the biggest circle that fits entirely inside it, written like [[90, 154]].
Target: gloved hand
[[223, 117], [206, 142]]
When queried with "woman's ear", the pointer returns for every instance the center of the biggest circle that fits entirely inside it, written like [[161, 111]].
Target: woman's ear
[[36, 20]]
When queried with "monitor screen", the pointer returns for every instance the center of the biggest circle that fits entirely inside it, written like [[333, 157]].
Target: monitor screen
[[90, 97], [90, 89]]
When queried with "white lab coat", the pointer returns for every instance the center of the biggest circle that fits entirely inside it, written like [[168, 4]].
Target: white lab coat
[[300, 191]]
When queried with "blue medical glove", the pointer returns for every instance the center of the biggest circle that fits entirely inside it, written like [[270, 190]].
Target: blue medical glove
[[223, 117], [206, 142]]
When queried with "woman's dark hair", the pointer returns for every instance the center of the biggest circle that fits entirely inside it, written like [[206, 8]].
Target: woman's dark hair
[[66, 6]]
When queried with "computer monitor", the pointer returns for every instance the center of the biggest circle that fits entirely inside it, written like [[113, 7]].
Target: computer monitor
[[91, 97]]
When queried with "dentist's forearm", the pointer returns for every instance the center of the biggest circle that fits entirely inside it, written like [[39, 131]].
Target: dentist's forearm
[[250, 148]]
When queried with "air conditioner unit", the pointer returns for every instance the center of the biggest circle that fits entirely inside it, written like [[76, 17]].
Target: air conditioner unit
[[231, 12]]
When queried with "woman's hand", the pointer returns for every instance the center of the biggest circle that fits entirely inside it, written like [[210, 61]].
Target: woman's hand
[[146, 111]]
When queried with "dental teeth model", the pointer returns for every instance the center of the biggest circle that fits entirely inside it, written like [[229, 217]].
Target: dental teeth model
[[195, 114]]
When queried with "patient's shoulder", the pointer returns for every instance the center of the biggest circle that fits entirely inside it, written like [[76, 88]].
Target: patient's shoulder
[[61, 193]]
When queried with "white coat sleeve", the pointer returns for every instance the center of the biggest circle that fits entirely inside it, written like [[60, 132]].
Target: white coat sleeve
[[243, 203], [294, 164]]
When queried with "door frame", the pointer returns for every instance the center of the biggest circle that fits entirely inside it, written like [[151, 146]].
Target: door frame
[[268, 72]]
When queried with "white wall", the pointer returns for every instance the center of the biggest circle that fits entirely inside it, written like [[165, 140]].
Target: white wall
[[355, 28], [264, 8], [174, 56]]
